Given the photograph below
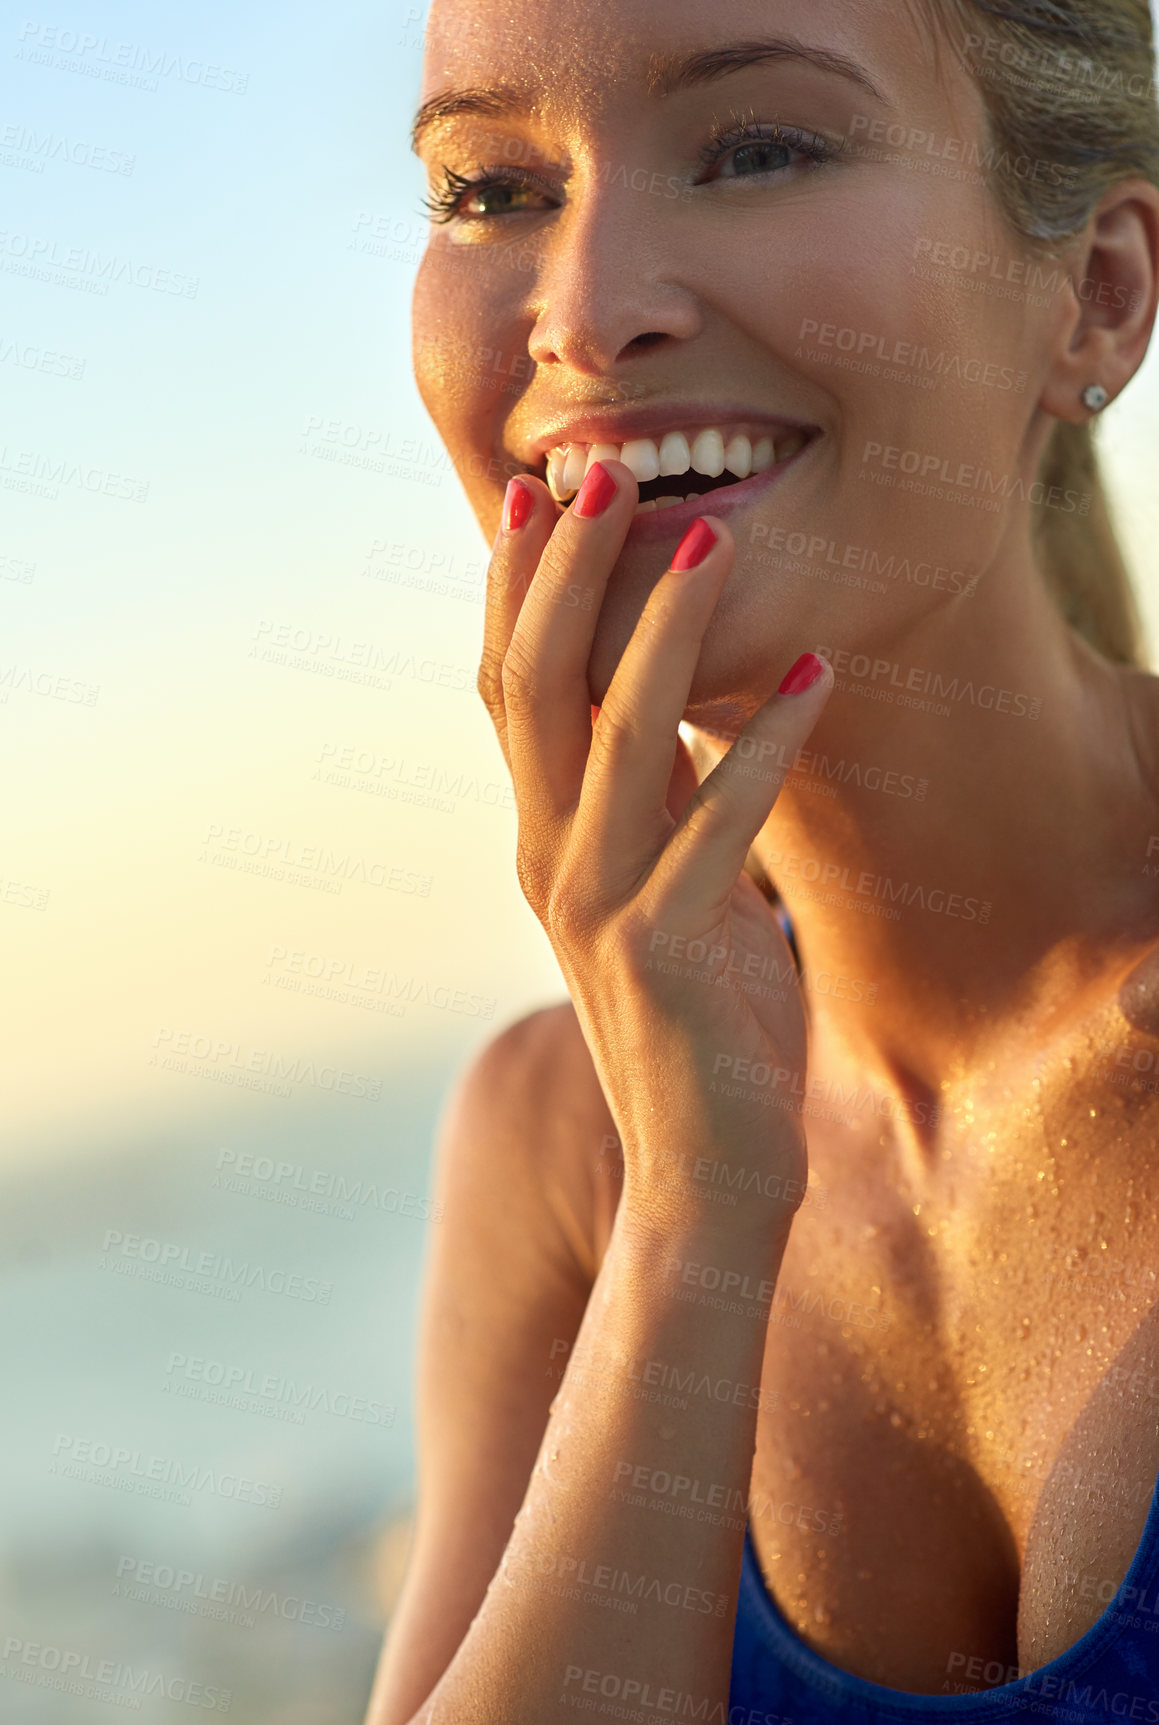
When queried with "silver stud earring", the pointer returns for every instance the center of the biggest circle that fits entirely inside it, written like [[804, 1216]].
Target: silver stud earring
[[1095, 397]]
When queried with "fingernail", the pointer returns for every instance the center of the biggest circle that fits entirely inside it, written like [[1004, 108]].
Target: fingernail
[[595, 494], [803, 675], [517, 507], [694, 547]]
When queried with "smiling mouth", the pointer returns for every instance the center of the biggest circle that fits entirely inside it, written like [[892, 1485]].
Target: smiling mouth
[[681, 466]]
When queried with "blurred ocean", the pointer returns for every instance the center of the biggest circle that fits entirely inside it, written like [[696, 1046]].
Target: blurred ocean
[[279, 1602]]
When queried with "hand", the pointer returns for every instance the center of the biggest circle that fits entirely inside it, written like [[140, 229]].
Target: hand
[[676, 966]]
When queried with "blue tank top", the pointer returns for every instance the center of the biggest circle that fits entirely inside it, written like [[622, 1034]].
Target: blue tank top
[[1111, 1673]]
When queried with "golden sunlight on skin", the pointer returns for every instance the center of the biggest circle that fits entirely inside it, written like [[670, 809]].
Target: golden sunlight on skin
[[724, 283], [738, 281], [960, 1117]]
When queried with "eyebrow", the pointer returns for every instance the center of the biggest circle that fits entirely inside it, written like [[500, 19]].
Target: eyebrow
[[449, 104], [667, 73]]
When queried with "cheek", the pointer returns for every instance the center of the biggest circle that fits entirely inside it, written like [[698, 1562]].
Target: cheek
[[466, 344], [467, 375], [887, 346], [441, 344]]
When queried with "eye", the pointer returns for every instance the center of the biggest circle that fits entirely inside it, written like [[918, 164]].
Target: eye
[[486, 195], [496, 198], [742, 151], [756, 158]]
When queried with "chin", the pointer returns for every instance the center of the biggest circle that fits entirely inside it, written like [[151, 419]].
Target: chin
[[739, 666], [631, 584]]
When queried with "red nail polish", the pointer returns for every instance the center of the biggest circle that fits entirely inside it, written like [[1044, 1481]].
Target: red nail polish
[[803, 675], [595, 494], [517, 507], [694, 547]]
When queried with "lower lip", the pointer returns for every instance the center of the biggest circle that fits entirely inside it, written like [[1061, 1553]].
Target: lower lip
[[665, 523]]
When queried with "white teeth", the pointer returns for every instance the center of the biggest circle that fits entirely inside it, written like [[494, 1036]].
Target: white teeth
[[675, 455], [669, 502], [646, 508], [575, 467], [643, 458], [555, 466], [738, 457], [602, 452], [708, 454]]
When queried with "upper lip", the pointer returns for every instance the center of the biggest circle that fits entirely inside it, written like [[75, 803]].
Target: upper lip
[[625, 424]]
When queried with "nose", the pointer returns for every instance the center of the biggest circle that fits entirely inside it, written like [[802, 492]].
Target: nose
[[605, 292]]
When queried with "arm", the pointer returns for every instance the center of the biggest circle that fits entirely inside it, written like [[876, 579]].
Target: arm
[[508, 1277], [505, 1297]]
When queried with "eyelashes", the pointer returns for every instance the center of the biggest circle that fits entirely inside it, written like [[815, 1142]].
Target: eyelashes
[[739, 132], [445, 202]]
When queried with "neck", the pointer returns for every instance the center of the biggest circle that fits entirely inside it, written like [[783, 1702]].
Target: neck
[[965, 834]]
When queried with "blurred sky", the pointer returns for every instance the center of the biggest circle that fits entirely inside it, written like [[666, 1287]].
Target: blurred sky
[[286, 214], [270, 186], [287, 217]]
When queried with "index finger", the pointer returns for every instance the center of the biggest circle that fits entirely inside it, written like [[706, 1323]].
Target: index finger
[[529, 517], [544, 673]]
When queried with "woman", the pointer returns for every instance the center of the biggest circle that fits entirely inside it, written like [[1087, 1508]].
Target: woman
[[834, 1287]]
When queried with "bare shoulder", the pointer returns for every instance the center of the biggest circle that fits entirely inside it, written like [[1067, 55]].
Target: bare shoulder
[[513, 1256], [536, 1087]]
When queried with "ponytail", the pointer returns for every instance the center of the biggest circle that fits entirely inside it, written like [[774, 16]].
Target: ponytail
[[1079, 554]]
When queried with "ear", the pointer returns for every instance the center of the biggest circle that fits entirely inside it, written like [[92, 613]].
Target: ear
[[1112, 297]]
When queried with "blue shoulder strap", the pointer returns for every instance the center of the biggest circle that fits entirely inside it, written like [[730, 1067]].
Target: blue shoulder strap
[[782, 917]]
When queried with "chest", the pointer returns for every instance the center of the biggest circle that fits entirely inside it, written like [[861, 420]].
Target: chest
[[964, 1351]]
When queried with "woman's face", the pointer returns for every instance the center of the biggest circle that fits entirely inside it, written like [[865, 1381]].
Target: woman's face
[[764, 219]]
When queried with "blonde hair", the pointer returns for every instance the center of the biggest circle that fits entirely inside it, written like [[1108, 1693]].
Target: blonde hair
[[1069, 87]]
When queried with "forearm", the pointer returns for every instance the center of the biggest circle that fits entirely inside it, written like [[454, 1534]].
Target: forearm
[[623, 1564]]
